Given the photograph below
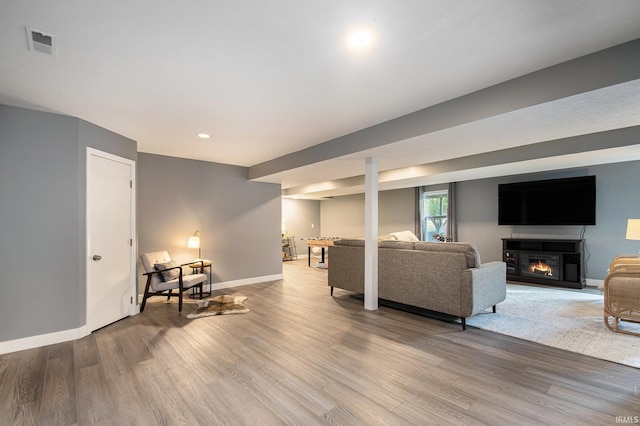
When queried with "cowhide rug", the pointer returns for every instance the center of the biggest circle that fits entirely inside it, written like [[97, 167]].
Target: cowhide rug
[[220, 305]]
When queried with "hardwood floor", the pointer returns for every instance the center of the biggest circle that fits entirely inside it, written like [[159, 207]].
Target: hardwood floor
[[302, 357]]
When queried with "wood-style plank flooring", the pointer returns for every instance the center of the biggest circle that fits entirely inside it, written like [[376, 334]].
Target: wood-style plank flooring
[[302, 357]]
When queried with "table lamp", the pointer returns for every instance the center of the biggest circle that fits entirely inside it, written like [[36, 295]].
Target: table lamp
[[633, 230], [194, 242]]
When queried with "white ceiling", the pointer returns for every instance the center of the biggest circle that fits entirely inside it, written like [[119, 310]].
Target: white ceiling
[[266, 79]]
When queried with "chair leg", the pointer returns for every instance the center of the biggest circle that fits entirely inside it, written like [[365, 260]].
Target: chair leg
[[146, 294], [180, 291], [494, 309], [464, 323], [169, 294], [331, 291]]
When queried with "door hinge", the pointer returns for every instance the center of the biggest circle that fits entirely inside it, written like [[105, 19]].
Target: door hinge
[[131, 300], [131, 242], [130, 184]]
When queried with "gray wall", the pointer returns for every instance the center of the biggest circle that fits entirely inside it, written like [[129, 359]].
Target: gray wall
[[42, 218], [618, 199], [301, 219], [344, 216], [239, 220]]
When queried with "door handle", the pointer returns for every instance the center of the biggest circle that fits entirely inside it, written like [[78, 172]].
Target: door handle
[[96, 257]]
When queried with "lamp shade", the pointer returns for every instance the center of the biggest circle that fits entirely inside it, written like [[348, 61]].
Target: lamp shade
[[633, 229], [194, 242]]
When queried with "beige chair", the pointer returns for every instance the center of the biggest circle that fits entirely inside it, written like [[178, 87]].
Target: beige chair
[[622, 293], [164, 275]]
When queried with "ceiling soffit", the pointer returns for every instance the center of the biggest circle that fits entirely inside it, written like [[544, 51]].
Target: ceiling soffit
[[618, 65]]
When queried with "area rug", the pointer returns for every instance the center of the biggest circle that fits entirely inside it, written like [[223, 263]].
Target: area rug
[[220, 305], [565, 319]]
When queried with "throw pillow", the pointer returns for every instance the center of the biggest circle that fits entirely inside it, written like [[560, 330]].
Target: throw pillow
[[405, 236], [166, 273]]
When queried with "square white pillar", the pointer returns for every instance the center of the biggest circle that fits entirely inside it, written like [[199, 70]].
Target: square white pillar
[[371, 234]]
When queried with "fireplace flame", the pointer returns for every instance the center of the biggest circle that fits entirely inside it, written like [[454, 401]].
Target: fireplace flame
[[540, 267]]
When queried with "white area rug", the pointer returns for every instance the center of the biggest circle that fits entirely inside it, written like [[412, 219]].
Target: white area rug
[[565, 319]]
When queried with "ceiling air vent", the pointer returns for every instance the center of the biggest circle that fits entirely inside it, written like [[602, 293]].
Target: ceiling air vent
[[40, 41]]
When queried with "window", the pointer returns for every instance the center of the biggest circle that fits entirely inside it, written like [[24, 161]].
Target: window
[[433, 214]]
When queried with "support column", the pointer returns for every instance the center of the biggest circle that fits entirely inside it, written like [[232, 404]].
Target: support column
[[371, 234]]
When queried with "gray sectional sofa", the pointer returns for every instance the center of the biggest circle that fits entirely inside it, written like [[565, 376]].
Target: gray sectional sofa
[[441, 277]]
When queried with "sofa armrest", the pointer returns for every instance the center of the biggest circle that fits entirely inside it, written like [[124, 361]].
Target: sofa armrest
[[347, 268], [488, 285]]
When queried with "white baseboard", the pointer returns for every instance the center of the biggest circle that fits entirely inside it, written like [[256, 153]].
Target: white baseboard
[[78, 333], [246, 281], [230, 284], [594, 283], [43, 340]]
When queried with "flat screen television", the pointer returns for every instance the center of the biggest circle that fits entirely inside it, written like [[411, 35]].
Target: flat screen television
[[567, 201]]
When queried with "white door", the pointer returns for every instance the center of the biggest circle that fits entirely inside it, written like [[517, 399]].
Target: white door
[[110, 238]]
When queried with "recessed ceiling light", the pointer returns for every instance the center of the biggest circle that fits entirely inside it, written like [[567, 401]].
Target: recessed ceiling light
[[204, 135], [360, 39]]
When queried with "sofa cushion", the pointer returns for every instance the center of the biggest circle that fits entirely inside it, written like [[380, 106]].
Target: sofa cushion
[[358, 242], [469, 250], [405, 245], [405, 236], [353, 242]]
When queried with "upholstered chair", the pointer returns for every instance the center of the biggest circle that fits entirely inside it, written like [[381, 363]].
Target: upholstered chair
[[165, 275]]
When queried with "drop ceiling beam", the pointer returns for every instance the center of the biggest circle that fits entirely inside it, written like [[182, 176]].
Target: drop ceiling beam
[[601, 69], [624, 138]]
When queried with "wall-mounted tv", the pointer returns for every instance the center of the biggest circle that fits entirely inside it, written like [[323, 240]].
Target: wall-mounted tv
[[568, 201]]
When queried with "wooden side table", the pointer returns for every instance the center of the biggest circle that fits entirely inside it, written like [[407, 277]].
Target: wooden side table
[[199, 265]]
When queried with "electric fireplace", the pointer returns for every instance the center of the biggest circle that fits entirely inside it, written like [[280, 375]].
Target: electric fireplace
[[549, 262], [537, 265]]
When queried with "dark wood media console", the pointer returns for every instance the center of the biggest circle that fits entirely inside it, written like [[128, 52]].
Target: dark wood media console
[[552, 262]]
